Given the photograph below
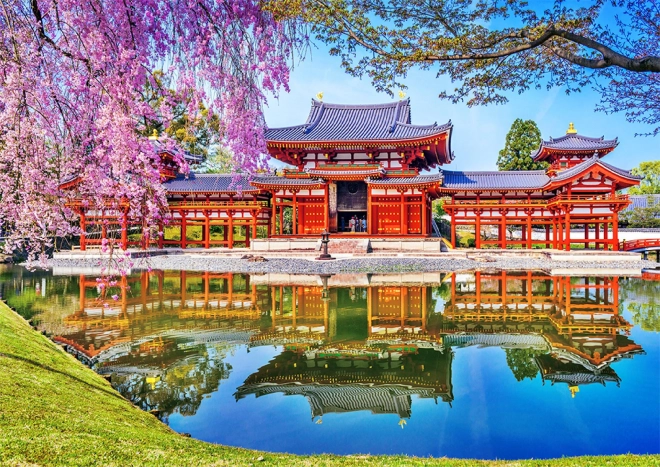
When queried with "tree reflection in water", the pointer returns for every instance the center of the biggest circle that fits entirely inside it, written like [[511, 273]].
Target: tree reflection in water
[[174, 381], [522, 363], [641, 300]]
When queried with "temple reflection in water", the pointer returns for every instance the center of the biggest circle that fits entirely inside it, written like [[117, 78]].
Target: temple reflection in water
[[348, 343]]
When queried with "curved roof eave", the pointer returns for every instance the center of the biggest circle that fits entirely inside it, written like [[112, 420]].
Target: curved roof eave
[[573, 173], [556, 145], [443, 130]]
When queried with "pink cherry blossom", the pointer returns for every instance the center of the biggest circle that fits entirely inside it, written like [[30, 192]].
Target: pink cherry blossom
[[72, 79]]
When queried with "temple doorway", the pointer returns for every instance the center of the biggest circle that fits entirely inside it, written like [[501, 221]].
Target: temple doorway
[[352, 216], [352, 222]]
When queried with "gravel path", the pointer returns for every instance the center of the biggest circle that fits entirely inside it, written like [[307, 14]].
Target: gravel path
[[361, 265]]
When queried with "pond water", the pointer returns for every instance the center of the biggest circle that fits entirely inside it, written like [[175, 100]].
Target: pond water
[[486, 365]]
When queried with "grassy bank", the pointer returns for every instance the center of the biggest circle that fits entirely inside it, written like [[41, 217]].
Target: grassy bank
[[55, 411]]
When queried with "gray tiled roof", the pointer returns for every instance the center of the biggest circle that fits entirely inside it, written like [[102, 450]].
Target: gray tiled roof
[[226, 183], [494, 180], [577, 142], [642, 201], [282, 181], [568, 173], [335, 122], [406, 180]]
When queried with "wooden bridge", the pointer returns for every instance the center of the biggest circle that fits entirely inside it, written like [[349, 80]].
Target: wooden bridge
[[642, 246]]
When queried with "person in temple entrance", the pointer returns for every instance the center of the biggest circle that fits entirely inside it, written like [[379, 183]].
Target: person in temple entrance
[[343, 224], [364, 224], [351, 224]]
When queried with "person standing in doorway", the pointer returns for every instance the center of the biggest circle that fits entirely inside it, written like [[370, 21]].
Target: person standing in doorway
[[364, 224], [351, 224]]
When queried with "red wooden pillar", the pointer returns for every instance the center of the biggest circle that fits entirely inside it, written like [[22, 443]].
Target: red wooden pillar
[[207, 230], [477, 230], [615, 232], [255, 215], [606, 243], [273, 215], [326, 208], [422, 206], [230, 231], [597, 235], [547, 235], [402, 220], [124, 230], [560, 235], [529, 230], [452, 228], [503, 231], [281, 218], [83, 231], [183, 229], [294, 214], [568, 230]]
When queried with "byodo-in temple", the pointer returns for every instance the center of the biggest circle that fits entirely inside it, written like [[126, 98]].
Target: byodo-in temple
[[366, 171], [372, 345]]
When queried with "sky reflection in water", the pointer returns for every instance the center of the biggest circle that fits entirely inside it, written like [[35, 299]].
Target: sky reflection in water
[[486, 365]]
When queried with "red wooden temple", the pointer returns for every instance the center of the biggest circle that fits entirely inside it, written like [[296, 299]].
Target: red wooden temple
[[367, 171]]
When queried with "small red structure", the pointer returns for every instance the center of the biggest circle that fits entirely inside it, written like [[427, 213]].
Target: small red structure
[[577, 191]]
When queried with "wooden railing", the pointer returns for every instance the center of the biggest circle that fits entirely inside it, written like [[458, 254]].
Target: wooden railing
[[564, 198], [640, 244], [217, 204], [495, 202]]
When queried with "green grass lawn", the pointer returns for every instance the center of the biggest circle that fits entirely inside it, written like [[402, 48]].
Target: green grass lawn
[[55, 411]]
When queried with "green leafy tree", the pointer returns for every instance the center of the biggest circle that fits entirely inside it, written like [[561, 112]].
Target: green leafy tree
[[438, 208], [650, 185], [491, 48], [643, 217], [197, 135], [522, 139], [521, 362], [220, 161]]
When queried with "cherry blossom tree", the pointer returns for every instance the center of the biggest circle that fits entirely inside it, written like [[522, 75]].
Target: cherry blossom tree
[[72, 78]]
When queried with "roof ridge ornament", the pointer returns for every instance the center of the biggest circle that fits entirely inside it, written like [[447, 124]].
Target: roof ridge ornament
[[571, 129]]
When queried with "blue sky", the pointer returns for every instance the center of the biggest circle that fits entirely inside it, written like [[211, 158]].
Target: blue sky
[[479, 132]]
